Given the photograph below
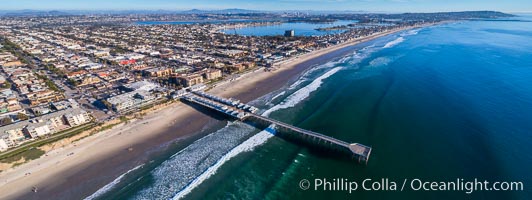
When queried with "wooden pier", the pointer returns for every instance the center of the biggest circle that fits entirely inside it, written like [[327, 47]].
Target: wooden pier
[[244, 112], [359, 151]]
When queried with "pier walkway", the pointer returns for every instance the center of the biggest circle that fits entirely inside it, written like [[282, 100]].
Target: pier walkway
[[361, 152], [243, 112]]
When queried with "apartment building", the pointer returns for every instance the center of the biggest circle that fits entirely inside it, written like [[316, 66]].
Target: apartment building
[[17, 133]]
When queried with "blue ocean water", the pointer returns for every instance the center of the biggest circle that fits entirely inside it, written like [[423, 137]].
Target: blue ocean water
[[452, 101]]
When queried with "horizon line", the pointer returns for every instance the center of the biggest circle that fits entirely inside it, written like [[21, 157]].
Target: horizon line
[[243, 9]]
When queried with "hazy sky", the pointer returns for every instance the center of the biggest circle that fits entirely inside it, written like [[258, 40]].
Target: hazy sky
[[355, 5]]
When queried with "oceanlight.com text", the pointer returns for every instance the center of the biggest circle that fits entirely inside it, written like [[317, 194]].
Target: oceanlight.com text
[[385, 184]]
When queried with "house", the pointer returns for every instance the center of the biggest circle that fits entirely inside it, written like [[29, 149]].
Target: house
[[44, 96], [101, 53], [128, 62], [89, 80], [76, 74]]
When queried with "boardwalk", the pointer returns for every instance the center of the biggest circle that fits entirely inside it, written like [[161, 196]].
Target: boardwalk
[[244, 112]]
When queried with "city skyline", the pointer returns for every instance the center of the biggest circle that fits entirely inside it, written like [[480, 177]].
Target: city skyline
[[277, 5]]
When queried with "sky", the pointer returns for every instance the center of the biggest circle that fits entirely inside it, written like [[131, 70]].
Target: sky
[[329, 5]]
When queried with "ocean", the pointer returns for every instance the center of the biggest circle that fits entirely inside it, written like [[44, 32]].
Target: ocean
[[441, 103]]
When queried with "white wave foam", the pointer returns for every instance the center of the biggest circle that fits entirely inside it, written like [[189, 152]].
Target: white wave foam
[[111, 185], [304, 76], [177, 172], [330, 64], [302, 93], [367, 48], [357, 57], [278, 95], [297, 83], [250, 144], [410, 32], [393, 43]]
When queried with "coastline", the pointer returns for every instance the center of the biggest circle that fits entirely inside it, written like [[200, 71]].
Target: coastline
[[104, 155]]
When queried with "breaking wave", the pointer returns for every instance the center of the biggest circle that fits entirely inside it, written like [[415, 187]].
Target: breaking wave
[[302, 93], [304, 77], [250, 144], [410, 32], [278, 95], [394, 42], [401, 38], [110, 185], [179, 171]]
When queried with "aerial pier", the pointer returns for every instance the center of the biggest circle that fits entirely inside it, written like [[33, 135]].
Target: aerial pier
[[234, 108]]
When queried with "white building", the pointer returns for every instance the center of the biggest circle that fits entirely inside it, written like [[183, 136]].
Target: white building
[[39, 129], [131, 101], [77, 117], [15, 134], [141, 85]]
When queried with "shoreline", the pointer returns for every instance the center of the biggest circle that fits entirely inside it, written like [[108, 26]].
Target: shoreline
[[104, 154]]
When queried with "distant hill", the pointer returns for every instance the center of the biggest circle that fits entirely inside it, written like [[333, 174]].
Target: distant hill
[[237, 11], [34, 13], [224, 11], [471, 14]]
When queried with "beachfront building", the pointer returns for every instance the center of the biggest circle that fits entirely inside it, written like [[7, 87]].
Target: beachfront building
[[190, 79], [39, 129], [139, 95], [131, 101], [77, 117], [141, 85], [211, 74], [12, 134], [17, 133]]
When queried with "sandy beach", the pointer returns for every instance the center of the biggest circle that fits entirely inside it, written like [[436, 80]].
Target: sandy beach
[[79, 169]]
